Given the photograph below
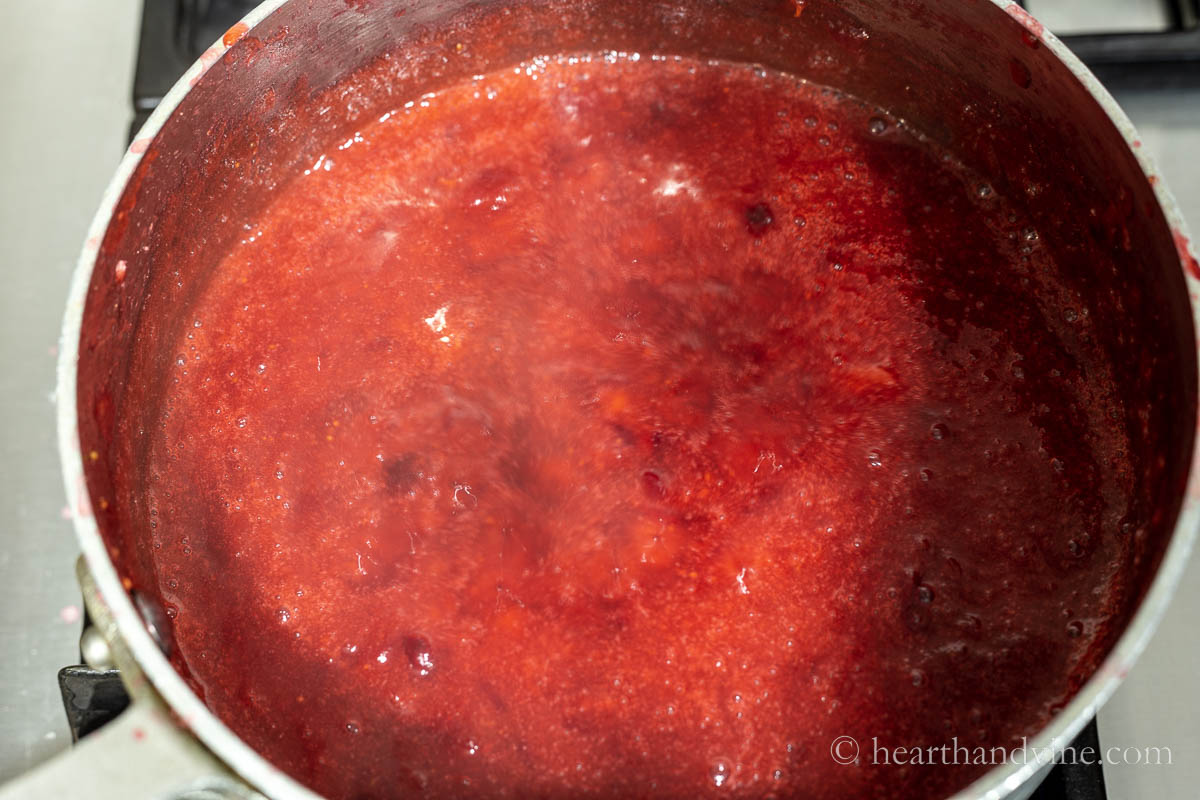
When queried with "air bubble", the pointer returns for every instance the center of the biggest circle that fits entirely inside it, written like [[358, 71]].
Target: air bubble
[[419, 652], [877, 126], [758, 218], [720, 773]]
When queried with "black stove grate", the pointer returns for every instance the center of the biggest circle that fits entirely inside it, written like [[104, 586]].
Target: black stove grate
[[91, 698], [1077, 781], [174, 34], [1164, 59]]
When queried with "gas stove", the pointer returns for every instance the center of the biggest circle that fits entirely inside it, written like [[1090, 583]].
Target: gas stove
[[174, 34], [1133, 44], [1142, 45]]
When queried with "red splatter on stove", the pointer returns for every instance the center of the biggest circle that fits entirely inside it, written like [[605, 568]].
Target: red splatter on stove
[[206, 60], [1020, 73], [83, 505], [233, 34], [1183, 245], [1031, 24]]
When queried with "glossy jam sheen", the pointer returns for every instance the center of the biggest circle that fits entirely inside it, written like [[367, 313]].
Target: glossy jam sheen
[[635, 428]]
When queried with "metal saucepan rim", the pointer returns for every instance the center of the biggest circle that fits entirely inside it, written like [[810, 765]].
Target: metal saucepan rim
[[245, 761]]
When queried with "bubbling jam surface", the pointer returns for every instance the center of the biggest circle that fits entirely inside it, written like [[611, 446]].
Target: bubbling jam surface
[[630, 427]]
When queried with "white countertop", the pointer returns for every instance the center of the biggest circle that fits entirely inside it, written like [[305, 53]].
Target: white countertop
[[65, 87], [66, 72]]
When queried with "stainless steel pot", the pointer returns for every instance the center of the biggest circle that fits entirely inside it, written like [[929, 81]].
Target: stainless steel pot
[[978, 75]]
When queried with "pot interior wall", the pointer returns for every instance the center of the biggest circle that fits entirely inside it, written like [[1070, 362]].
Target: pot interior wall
[[963, 73]]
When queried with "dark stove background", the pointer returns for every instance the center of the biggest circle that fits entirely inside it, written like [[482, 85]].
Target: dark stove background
[[1168, 58], [174, 34]]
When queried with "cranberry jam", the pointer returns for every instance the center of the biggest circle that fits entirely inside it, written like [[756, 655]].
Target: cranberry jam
[[626, 426]]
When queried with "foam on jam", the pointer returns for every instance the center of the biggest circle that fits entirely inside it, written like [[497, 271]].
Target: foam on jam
[[621, 427]]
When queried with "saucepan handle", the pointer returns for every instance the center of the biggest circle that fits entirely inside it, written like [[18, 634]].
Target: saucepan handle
[[141, 755]]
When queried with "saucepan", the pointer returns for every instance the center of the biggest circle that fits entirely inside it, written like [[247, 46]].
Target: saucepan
[[980, 77]]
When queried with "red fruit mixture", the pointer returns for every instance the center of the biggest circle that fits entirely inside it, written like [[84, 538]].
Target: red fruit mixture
[[630, 427]]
